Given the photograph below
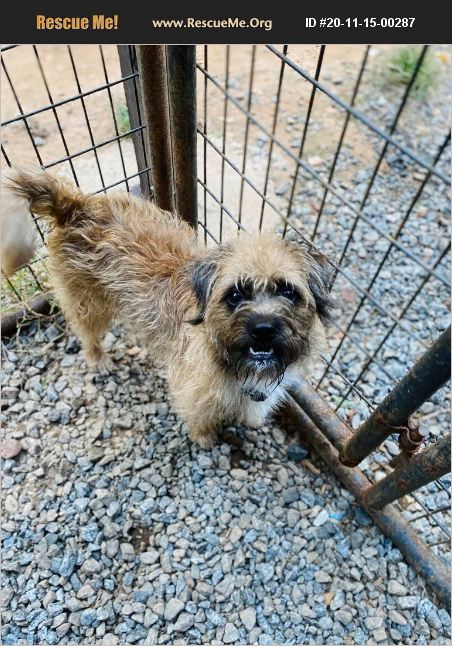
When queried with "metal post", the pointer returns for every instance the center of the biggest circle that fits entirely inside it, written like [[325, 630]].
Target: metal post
[[128, 67], [427, 375], [432, 463], [435, 571], [154, 92], [181, 61], [321, 414]]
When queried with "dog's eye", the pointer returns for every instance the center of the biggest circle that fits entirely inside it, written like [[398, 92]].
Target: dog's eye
[[289, 292], [234, 296]]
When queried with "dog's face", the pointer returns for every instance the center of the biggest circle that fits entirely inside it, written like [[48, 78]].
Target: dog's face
[[263, 301]]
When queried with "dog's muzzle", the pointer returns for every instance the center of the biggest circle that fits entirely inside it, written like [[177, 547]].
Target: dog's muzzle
[[262, 356]]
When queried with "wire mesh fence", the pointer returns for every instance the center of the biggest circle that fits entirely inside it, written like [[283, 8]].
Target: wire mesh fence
[[64, 108], [313, 142]]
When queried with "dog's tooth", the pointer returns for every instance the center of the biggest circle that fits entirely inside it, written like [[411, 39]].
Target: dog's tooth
[[261, 353]]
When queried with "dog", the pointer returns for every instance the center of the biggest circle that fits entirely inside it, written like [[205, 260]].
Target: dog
[[233, 325], [17, 233]]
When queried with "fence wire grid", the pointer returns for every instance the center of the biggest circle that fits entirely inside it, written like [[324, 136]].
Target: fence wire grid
[[313, 141]]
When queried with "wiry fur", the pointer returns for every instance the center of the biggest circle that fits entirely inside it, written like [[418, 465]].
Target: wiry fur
[[119, 257]]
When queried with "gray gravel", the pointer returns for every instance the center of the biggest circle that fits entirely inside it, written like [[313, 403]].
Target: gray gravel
[[119, 530]]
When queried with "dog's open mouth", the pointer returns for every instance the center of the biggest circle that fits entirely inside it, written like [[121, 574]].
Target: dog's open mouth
[[261, 354], [259, 369]]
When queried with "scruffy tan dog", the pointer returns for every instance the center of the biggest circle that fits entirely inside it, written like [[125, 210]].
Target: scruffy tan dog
[[233, 325]]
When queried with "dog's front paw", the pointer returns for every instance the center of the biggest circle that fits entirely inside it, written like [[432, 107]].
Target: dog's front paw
[[102, 365], [255, 422], [205, 438], [105, 366]]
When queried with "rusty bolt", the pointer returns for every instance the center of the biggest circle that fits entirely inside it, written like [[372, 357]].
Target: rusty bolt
[[411, 437]]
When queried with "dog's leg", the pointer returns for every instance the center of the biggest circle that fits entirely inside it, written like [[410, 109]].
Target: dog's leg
[[95, 355], [198, 396], [203, 417], [89, 319], [204, 422], [90, 332]]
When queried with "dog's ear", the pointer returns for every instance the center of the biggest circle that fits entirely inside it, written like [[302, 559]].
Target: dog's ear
[[321, 278], [321, 274], [202, 279]]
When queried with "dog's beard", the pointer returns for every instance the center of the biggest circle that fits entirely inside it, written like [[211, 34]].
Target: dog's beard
[[264, 370], [259, 365]]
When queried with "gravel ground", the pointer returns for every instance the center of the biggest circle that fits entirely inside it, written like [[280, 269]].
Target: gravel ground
[[119, 530]]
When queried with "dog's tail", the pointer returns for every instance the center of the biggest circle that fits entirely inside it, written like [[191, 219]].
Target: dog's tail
[[55, 198]]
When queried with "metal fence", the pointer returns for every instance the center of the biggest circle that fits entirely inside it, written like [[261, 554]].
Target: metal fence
[[243, 139], [23, 142]]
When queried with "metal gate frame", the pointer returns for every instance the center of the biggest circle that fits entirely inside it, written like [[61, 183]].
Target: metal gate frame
[[171, 127]]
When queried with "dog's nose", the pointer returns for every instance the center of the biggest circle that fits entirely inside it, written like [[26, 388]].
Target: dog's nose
[[263, 330]]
